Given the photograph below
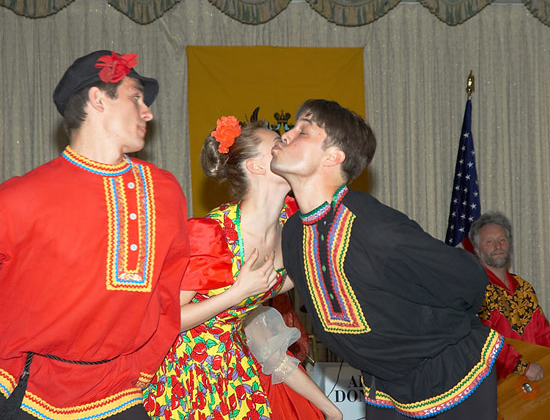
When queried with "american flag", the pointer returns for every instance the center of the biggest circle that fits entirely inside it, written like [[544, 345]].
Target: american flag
[[465, 205]]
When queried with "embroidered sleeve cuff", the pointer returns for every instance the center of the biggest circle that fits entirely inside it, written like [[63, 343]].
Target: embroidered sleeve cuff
[[522, 367], [143, 380]]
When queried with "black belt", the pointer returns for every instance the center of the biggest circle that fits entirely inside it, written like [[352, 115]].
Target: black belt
[[76, 362], [10, 409]]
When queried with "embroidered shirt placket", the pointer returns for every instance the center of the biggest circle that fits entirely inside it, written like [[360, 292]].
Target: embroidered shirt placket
[[131, 230], [132, 221], [323, 231]]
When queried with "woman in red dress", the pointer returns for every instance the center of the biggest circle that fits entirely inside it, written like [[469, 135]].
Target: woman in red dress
[[210, 372]]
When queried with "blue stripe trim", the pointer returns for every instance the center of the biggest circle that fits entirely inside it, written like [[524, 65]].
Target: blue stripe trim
[[146, 204], [97, 171], [5, 389], [440, 411], [95, 416]]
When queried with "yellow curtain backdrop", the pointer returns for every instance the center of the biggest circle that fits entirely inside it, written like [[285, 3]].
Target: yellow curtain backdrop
[[236, 80]]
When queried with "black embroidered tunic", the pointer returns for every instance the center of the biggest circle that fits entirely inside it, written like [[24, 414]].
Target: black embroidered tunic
[[392, 301]]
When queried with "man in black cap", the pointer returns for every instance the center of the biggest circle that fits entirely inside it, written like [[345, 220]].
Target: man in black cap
[[93, 246]]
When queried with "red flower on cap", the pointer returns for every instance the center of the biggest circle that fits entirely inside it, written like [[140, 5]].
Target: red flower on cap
[[227, 129], [116, 66]]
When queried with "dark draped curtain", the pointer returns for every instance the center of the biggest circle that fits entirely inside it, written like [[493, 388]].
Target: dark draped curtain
[[255, 12]]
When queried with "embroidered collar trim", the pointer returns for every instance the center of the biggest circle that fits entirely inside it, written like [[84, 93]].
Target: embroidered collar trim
[[320, 212], [96, 167]]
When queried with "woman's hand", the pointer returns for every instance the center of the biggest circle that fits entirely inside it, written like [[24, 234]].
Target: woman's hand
[[300, 382], [254, 281], [333, 414], [250, 281]]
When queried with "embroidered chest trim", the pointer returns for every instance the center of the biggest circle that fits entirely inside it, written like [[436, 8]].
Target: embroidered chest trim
[[349, 317], [518, 309], [131, 230], [96, 167], [315, 215]]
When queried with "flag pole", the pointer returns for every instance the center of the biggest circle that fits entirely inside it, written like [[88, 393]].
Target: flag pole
[[470, 84]]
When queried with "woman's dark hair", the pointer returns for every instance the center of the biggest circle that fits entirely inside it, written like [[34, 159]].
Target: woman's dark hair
[[230, 166]]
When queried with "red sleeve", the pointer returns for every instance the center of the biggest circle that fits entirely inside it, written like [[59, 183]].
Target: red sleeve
[[166, 301], [508, 357], [210, 266], [507, 360], [3, 257], [5, 238], [292, 206], [538, 330]]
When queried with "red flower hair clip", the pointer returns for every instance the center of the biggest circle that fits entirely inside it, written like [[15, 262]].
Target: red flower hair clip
[[116, 66], [227, 130]]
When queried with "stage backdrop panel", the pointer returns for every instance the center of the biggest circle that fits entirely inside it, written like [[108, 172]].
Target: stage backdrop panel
[[236, 80]]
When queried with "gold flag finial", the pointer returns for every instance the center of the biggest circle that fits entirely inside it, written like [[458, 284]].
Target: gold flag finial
[[470, 84]]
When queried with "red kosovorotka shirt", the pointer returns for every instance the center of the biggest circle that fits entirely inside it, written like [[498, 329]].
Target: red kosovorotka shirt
[[91, 261], [515, 313]]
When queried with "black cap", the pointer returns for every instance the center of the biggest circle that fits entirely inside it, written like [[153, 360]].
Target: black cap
[[83, 73]]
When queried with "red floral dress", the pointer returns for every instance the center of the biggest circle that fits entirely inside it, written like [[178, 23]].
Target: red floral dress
[[209, 372]]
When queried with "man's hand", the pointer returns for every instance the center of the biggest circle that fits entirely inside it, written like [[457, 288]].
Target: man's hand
[[535, 372]]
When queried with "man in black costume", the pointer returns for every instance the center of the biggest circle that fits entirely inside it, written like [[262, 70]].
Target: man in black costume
[[384, 295]]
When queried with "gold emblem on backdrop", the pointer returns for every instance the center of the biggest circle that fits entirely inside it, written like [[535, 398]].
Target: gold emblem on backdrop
[[280, 126]]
